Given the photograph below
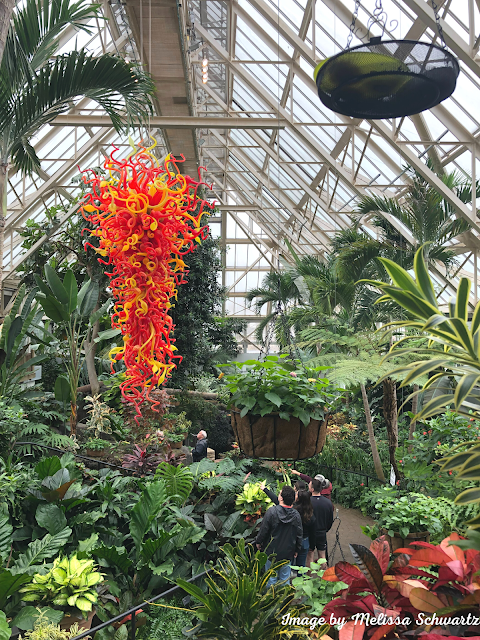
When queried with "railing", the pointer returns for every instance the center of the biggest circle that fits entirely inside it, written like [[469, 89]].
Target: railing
[[132, 612], [357, 473], [76, 455]]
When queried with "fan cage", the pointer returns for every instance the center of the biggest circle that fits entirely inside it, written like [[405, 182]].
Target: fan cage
[[389, 79]]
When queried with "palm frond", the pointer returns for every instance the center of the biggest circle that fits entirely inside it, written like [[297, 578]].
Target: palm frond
[[38, 23], [106, 79]]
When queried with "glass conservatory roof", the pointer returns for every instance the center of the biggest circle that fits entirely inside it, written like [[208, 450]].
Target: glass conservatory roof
[[295, 176]]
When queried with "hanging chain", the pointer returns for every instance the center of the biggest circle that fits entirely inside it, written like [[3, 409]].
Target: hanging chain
[[352, 26], [439, 26]]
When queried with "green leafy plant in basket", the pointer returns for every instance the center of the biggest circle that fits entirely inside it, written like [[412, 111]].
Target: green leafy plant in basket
[[278, 385], [69, 583], [252, 502]]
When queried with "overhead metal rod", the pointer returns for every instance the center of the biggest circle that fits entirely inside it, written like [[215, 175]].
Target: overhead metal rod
[[176, 122]]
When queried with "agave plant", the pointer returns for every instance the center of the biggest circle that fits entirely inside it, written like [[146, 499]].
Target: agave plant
[[70, 583]]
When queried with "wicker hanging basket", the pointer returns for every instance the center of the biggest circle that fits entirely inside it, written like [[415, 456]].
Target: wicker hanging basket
[[272, 438]]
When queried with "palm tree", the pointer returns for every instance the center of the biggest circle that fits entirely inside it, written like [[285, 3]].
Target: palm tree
[[278, 291], [423, 212], [6, 10], [36, 85]]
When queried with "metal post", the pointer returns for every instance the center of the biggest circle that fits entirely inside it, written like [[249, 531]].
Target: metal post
[[133, 628]]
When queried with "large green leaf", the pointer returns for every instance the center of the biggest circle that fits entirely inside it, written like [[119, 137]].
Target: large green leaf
[[96, 315], [13, 332], [153, 497], [70, 285], [56, 286], [107, 334], [5, 631], [54, 310], [51, 517], [461, 302], [89, 299], [10, 583], [62, 389], [6, 531], [48, 467], [150, 547], [423, 279], [114, 557], [40, 550], [469, 496], [178, 480], [26, 618]]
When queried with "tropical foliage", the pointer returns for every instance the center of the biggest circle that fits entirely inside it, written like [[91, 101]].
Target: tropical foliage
[[279, 385]]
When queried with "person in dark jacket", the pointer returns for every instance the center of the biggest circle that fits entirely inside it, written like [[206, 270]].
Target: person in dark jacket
[[201, 447], [281, 533], [323, 512], [327, 485], [303, 505]]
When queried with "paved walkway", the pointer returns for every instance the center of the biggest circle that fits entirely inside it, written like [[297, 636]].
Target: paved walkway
[[349, 531]]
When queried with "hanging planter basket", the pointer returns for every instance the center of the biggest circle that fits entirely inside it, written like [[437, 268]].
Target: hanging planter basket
[[272, 438], [390, 79]]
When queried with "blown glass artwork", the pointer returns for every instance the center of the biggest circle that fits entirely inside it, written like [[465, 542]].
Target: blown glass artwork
[[147, 217]]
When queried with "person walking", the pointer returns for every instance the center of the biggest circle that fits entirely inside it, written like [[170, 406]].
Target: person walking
[[323, 512], [303, 505], [200, 450], [281, 533]]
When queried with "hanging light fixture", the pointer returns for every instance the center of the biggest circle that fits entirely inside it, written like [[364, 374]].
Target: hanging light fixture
[[205, 69], [387, 79]]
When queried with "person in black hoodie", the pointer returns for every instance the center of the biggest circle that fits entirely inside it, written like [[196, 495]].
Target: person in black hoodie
[[303, 505], [281, 533]]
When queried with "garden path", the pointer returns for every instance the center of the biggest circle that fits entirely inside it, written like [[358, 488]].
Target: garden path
[[349, 532]]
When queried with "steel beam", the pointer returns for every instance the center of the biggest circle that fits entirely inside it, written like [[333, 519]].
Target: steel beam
[[175, 122]]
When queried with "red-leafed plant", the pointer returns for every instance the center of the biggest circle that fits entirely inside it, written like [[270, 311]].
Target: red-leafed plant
[[141, 460], [402, 595]]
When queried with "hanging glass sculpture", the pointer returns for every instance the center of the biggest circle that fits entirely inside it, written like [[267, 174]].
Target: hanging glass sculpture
[[147, 216], [386, 79]]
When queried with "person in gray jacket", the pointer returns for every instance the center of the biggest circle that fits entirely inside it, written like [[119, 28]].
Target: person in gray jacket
[[281, 533]]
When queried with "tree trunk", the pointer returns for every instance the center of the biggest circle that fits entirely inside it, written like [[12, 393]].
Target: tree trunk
[[371, 436], [90, 351], [3, 194], [390, 417], [413, 423], [6, 10], [73, 418]]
